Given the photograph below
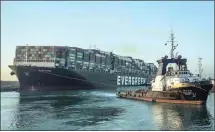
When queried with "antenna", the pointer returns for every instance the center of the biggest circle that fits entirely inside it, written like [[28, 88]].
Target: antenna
[[26, 54], [173, 47], [200, 67], [176, 54]]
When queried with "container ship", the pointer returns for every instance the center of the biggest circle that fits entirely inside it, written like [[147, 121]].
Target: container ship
[[68, 68]]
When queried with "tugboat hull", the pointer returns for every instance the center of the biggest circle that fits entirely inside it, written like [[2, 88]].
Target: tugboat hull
[[185, 95], [160, 100]]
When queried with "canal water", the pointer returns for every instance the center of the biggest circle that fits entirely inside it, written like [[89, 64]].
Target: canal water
[[99, 110]]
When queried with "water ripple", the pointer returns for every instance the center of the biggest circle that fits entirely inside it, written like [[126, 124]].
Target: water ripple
[[99, 110]]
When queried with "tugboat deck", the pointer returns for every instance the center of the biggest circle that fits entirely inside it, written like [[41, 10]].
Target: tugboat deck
[[160, 100]]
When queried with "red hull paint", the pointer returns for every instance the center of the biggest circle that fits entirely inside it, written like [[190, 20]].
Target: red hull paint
[[164, 100]]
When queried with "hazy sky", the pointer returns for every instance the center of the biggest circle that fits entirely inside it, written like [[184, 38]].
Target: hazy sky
[[138, 29]]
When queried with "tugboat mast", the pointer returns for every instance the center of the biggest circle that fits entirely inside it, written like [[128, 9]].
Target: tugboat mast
[[173, 46], [200, 68]]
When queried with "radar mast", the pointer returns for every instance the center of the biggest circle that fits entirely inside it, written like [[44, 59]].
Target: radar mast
[[173, 46], [200, 67]]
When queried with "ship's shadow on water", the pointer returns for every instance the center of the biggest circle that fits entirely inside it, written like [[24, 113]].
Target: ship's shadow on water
[[73, 110]]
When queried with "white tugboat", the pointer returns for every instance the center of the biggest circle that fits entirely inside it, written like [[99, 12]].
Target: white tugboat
[[174, 83]]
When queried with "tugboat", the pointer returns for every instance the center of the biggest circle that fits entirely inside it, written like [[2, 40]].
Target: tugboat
[[174, 83]]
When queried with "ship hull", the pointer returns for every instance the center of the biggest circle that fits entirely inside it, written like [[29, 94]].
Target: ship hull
[[185, 95], [50, 79]]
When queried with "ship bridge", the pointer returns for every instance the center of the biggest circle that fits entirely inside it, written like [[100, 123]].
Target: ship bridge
[[174, 64]]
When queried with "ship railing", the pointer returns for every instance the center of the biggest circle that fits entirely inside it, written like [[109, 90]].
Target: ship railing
[[34, 60], [29, 62]]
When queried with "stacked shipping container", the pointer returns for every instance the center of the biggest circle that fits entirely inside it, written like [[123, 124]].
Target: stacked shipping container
[[71, 58], [77, 58], [35, 53], [61, 56]]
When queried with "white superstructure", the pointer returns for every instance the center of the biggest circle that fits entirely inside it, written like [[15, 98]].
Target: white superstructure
[[172, 72]]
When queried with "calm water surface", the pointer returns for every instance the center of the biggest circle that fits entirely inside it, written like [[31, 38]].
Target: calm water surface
[[99, 110]]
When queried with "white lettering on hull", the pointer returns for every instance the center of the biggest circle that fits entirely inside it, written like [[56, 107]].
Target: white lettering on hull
[[138, 80], [45, 71], [189, 92], [132, 80], [123, 80], [135, 81], [118, 80], [129, 81], [126, 80]]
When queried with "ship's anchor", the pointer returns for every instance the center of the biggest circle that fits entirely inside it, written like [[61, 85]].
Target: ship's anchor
[[32, 88], [27, 73]]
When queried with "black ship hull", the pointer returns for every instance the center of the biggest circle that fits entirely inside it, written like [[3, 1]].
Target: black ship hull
[[185, 95], [50, 79]]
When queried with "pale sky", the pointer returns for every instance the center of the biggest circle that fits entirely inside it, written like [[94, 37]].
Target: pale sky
[[138, 29]]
